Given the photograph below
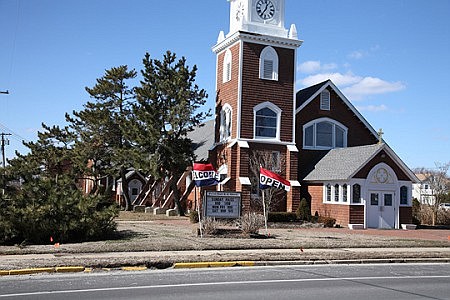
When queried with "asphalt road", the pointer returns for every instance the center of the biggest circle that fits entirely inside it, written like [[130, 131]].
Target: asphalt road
[[378, 281]]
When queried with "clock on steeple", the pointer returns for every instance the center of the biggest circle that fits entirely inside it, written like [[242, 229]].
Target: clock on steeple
[[261, 16], [255, 102]]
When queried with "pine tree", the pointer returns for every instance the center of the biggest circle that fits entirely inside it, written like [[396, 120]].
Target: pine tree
[[101, 127], [167, 108], [47, 202]]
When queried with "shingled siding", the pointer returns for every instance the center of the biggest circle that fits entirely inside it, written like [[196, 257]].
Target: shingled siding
[[405, 215], [344, 214], [356, 214], [256, 90], [227, 92], [382, 157], [358, 134]]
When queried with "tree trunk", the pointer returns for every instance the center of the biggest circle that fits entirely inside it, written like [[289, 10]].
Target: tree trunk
[[126, 196], [176, 196]]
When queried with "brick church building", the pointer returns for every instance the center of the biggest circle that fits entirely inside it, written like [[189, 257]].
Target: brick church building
[[315, 137]]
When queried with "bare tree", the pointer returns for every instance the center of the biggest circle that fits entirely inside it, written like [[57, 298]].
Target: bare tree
[[439, 186], [275, 162]]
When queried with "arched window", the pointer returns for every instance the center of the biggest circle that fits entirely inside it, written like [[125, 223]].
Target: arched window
[[227, 66], [328, 193], [336, 192], [344, 193], [267, 121], [324, 133], [225, 122], [268, 64], [404, 195], [356, 193]]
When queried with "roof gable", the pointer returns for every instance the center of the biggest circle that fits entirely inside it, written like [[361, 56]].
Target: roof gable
[[307, 95], [341, 164]]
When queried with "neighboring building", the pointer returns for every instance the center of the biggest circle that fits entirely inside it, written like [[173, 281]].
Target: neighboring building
[[345, 169], [422, 190]]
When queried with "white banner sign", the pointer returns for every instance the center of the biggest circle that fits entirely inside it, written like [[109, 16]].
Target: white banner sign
[[226, 205]]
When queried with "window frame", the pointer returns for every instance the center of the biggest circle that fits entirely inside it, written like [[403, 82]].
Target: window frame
[[359, 198], [227, 66], [277, 112], [225, 123], [325, 102], [268, 54], [335, 125], [404, 195]]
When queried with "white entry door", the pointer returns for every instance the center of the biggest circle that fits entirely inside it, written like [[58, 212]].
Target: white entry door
[[381, 209]]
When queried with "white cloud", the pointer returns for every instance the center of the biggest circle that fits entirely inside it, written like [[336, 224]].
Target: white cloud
[[373, 108], [356, 55], [337, 78], [371, 86], [353, 86], [314, 66]]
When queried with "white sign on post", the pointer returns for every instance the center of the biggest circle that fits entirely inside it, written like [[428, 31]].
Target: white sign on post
[[225, 205]]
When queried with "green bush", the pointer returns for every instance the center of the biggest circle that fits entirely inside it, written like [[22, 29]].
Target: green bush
[[282, 217], [303, 212], [43, 210], [193, 217], [416, 212]]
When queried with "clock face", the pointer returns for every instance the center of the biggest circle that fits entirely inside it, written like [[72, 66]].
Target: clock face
[[239, 11], [265, 9], [382, 175]]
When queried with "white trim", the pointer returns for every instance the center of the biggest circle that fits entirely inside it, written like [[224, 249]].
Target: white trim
[[243, 144], [292, 148], [226, 110], [320, 120], [329, 83], [268, 54], [239, 100], [227, 66], [278, 112], [260, 39], [245, 181], [295, 183]]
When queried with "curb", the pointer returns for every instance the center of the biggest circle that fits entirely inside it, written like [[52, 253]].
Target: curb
[[71, 269], [217, 264], [213, 264]]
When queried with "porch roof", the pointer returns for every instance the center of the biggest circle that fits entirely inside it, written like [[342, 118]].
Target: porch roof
[[202, 140], [343, 163]]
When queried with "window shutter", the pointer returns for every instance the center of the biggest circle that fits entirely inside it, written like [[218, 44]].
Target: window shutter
[[268, 69], [325, 100]]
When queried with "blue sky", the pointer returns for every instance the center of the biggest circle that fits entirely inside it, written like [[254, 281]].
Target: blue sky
[[391, 58]]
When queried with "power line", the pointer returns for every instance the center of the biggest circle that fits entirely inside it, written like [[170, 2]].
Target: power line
[[14, 135]]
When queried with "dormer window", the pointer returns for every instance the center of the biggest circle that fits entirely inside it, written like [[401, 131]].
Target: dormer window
[[325, 100], [227, 66], [268, 64]]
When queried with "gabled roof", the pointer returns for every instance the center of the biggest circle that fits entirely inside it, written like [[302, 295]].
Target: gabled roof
[[341, 164], [305, 96], [202, 140], [131, 172]]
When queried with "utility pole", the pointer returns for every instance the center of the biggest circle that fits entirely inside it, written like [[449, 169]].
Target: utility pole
[[4, 142]]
